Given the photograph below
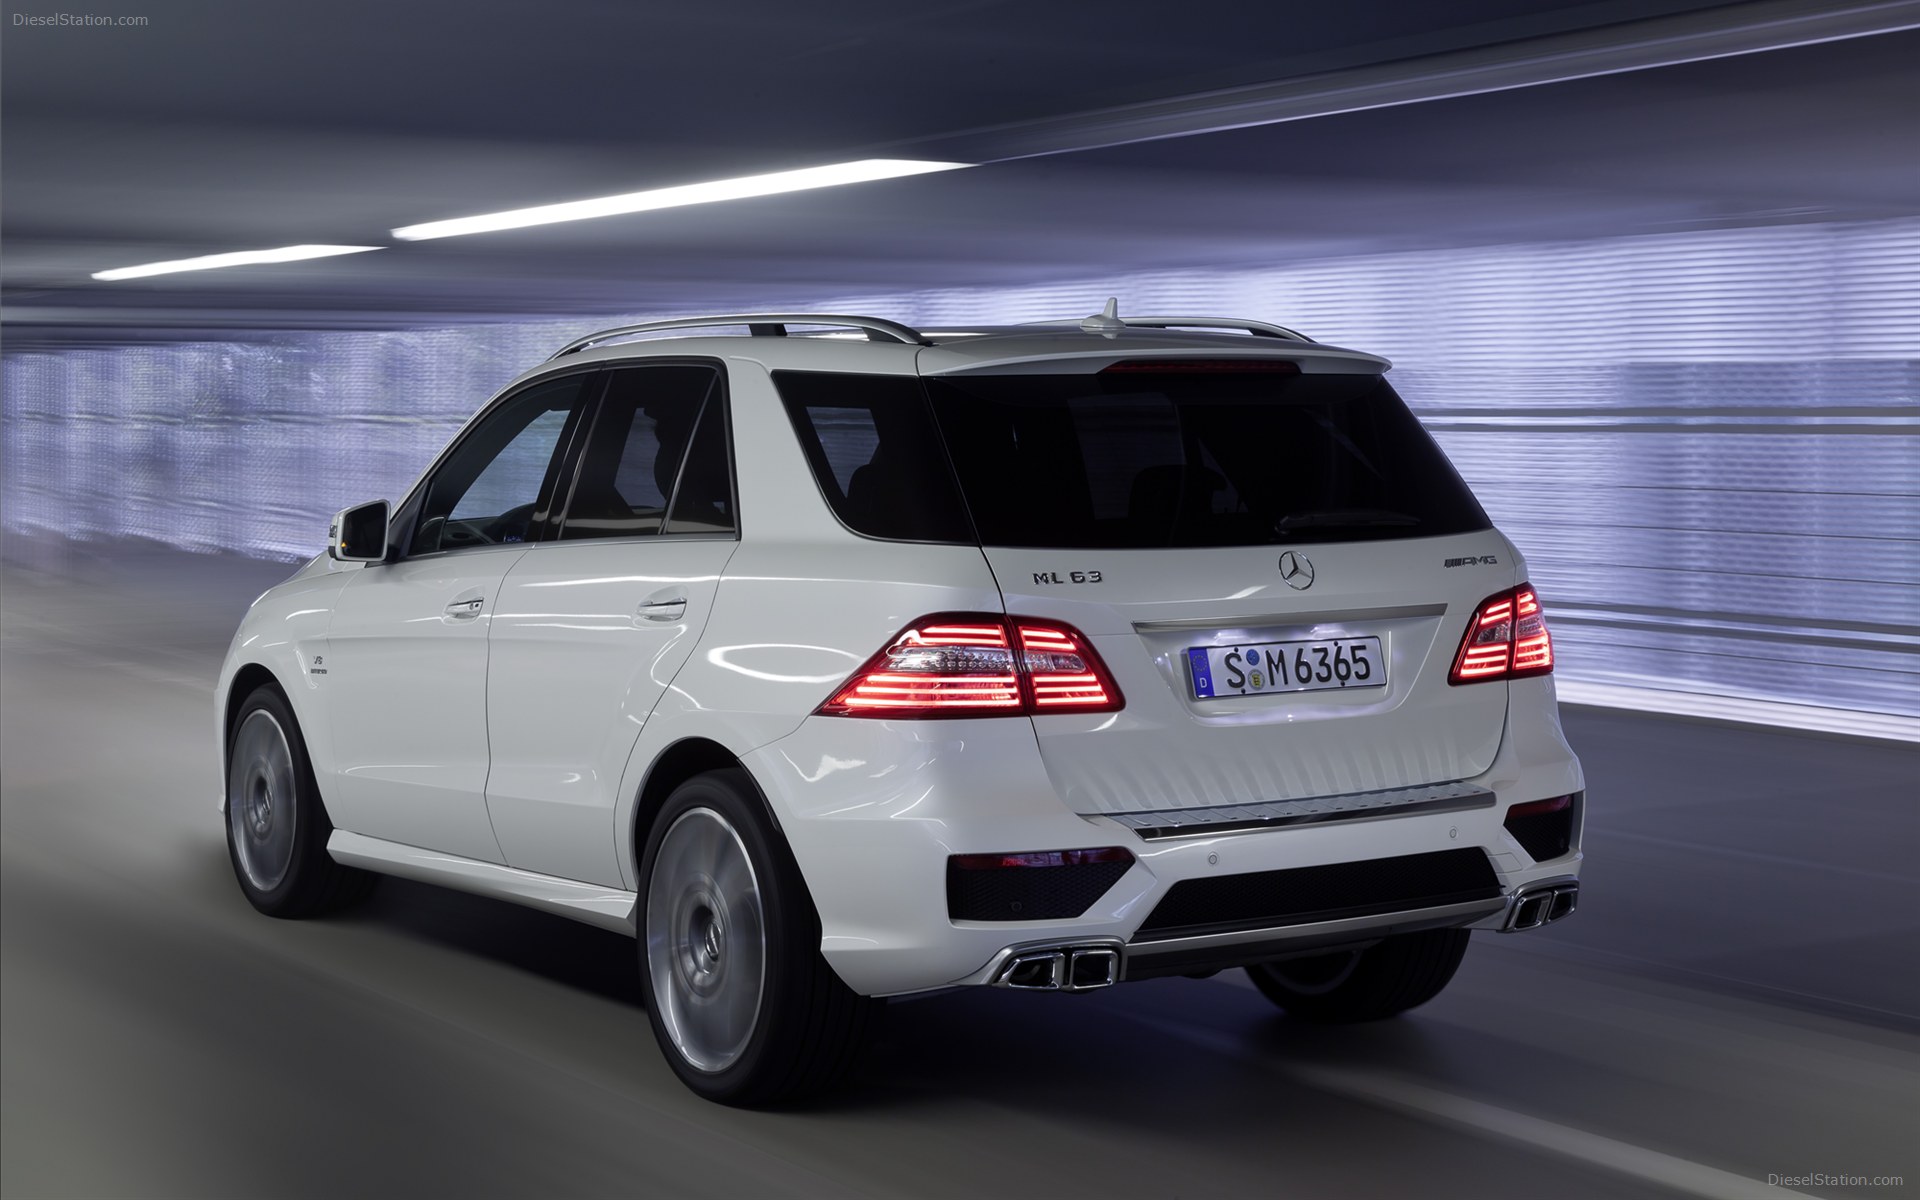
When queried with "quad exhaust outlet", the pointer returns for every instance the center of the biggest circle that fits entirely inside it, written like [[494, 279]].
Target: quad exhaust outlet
[[1061, 969], [1541, 906]]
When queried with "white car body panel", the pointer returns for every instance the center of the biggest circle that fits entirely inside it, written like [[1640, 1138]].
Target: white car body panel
[[509, 753], [874, 810], [796, 639], [284, 630], [1166, 749], [577, 664], [406, 687]]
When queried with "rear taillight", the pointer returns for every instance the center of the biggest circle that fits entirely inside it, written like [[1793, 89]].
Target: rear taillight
[[1532, 644], [978, 665], [1506, 639], [1062, 672]]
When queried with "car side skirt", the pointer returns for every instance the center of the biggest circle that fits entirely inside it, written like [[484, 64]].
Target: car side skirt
[[593, 903]]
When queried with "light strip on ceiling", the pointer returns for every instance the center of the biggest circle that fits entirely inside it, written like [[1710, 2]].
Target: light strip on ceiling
[[864, 170], [238, 258], [1716, 32]]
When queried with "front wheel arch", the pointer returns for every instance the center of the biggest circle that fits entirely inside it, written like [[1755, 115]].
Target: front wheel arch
[[247, 680], [311, 882]]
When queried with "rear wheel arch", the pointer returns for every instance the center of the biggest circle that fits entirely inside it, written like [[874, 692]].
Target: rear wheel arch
[[714, 937], [675, 765]]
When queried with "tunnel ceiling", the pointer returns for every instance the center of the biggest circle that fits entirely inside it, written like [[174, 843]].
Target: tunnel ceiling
[[224, 126]]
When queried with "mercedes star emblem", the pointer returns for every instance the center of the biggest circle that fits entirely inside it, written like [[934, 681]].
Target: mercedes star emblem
[[1297, 570]]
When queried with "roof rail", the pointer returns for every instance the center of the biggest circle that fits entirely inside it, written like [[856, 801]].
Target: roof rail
[[1256, 328], [758, 325]]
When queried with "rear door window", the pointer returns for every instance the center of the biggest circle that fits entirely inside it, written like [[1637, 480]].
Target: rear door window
[[656, 460]]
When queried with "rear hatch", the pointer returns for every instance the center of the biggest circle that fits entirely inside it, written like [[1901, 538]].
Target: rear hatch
[[1273, 558]]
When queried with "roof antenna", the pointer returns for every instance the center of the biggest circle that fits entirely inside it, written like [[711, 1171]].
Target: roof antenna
[[1107, 321]]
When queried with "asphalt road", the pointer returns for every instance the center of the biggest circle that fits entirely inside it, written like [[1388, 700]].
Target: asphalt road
[[1738, 998]]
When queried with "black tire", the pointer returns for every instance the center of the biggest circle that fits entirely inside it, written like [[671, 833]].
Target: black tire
[[311, 883], [1383, 980], [806, 1027]]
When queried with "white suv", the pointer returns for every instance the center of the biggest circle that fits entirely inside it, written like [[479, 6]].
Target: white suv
[[840, 665]]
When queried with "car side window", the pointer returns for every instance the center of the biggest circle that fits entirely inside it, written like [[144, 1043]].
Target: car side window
[[703, 498], [490, 490], [657, 459], [876, 455]]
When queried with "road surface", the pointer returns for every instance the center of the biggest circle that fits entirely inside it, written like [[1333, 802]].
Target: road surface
[[1738, 998]]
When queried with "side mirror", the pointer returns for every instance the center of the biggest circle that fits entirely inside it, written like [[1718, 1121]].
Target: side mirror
[[359, 534]]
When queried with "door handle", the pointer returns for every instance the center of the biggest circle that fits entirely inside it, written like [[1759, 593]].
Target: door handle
[[466, 610], [661, 606]]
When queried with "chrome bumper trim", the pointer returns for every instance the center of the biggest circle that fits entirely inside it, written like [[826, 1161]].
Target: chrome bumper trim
[[1463, 913], [1281, 937], [1319, 810]]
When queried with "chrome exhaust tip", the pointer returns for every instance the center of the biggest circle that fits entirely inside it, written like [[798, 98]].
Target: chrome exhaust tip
[[1565, 900], [1041, 972], [1090, 967], [1542, 906], [1061, 969], [1530, 911]]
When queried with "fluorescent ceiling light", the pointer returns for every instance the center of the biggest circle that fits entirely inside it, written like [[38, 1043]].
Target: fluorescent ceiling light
[[238, 258], [863, 171]]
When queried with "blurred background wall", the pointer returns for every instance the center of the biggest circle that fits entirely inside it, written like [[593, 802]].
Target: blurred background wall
[[1706, 443]]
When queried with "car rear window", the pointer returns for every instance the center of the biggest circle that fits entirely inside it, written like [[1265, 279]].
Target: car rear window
[[1133, 459], [1172, 458]]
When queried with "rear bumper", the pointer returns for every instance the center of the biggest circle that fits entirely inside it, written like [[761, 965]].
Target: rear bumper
[[1195, 954], [874, 809]]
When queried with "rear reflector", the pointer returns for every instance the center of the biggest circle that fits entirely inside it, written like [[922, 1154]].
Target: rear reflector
[[1203, 366], [1544, 828], [1536, 808], [1031, 885], [978, 665], [1506, 639]]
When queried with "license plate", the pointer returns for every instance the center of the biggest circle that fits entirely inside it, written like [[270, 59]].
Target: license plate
[[1263, 667]]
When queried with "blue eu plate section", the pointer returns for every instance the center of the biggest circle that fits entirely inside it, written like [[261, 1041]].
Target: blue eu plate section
[[1202, 673]]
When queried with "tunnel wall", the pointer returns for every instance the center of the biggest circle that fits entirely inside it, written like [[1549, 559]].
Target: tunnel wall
[[1707, 443]]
